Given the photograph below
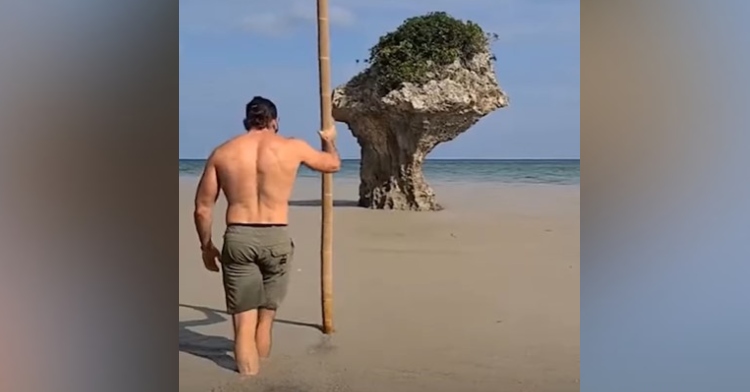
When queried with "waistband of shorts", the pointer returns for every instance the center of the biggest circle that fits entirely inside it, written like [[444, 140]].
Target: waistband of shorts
[[257, 225], [260, 233]]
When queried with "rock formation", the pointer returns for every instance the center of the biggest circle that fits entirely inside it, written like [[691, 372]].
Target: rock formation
[[397, 127]]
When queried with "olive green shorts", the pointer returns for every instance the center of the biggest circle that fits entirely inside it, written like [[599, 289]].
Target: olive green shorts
[[255, 266]]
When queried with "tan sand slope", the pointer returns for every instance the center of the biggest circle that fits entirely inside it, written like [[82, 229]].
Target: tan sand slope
[[483, 296]]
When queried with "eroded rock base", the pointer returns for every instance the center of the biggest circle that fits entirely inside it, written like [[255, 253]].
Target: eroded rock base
[[391, 196]]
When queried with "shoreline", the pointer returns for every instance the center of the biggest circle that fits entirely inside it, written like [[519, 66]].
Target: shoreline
[[437, 183]]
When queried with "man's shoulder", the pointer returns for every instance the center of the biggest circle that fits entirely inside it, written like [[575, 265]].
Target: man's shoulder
[[296, 147], [293, 141], [228, 144], [219, 151]]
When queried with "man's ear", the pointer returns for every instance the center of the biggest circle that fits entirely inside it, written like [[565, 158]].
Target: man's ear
[[244, 124]]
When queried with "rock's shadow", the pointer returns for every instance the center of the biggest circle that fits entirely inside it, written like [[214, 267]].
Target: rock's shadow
[[317, 202]]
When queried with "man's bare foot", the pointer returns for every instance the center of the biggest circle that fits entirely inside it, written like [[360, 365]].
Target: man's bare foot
[[247, 371]]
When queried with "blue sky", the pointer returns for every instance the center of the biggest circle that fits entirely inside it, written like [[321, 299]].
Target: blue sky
[[232, 50]]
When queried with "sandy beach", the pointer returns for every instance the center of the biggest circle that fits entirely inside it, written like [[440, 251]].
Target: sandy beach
[[483, 296]]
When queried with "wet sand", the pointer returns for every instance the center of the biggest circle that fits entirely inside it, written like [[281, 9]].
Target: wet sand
[[483, 296]]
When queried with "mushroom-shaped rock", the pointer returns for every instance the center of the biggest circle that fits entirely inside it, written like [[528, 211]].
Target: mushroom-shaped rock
[[427, 82]]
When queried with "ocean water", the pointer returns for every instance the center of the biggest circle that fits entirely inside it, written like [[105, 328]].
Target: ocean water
[[552, 172]]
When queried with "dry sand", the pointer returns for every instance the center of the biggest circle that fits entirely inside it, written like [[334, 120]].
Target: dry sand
[[483, 296]]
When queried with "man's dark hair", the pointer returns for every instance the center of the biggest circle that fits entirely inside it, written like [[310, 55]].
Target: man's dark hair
[[259, 113]]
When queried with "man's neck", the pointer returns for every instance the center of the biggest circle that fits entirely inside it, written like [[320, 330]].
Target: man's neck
[[269, 130]]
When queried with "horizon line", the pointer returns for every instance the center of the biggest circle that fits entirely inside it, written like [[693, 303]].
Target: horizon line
[[445, 159]]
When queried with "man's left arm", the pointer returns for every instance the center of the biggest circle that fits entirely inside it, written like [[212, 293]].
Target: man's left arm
[[205, 200]]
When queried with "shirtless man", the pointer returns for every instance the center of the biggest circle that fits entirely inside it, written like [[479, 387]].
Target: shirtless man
[[256, 171]]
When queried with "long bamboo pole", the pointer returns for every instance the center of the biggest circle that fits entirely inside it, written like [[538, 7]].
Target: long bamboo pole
[[326, 121]]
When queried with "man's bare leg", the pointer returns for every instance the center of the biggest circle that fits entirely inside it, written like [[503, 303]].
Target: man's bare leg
[[263, 332], [245, 350]]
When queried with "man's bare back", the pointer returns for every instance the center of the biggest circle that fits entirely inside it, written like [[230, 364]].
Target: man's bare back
[[256, 171]]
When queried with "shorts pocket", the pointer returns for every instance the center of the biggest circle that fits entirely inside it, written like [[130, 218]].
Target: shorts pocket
[[282, 250], [279, 256]]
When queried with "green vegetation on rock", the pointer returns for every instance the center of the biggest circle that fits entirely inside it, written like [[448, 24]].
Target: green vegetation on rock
[[422, 45]]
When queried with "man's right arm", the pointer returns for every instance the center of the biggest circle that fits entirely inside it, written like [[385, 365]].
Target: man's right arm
[[327, 161]]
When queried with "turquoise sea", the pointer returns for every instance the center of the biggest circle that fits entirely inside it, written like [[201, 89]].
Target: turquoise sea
[[548, 171]]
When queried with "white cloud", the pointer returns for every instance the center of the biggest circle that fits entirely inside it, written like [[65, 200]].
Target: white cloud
[[511, 19], [341, 16], [281, 22], [426, 5], [517, 31], [535, 19], [276, 18], [337, 15], [267, 23]]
